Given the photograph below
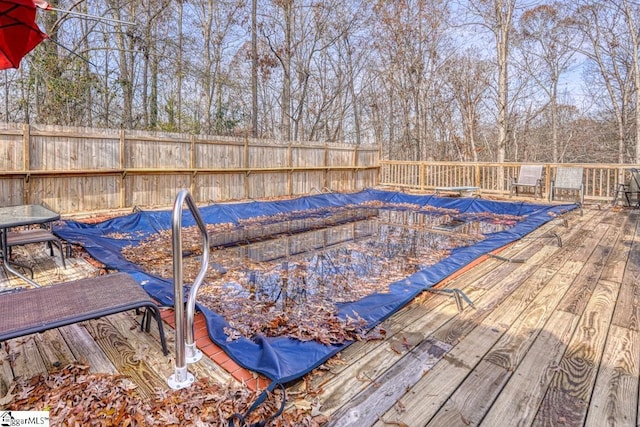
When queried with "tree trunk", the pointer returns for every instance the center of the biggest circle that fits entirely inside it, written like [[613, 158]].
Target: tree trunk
[[503, 14], [285, 114], [636, 74], [179, 66], [254, 68], [153, 96]]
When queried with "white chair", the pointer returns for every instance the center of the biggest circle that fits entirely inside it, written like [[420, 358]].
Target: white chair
[[568, 179], [530, 176]]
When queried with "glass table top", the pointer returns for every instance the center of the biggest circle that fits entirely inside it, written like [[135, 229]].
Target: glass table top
[[14, 216]]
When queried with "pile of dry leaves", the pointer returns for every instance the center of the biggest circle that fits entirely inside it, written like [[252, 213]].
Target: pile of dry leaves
[[75, 397]]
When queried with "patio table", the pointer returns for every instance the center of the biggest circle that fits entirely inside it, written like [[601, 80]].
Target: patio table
[[15, 216]]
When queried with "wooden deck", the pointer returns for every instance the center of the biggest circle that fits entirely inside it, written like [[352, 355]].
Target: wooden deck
[[549, 341]]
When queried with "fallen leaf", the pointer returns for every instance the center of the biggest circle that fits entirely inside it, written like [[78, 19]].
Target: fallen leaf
[[302, 404]]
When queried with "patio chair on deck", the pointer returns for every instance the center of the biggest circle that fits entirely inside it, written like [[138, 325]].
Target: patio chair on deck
[[630, 192], [529, 176], [36, 235], [568, 179]]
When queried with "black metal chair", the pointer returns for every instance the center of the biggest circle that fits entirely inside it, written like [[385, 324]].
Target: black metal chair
[[630, 191]]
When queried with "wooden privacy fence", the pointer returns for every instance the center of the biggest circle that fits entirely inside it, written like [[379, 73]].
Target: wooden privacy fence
[[76, 170], [600, 180]]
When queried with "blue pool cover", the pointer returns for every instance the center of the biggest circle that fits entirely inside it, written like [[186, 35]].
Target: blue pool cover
[[283, 359]]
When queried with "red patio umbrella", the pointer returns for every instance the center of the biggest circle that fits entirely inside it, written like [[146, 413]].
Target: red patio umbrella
[[19, 33]]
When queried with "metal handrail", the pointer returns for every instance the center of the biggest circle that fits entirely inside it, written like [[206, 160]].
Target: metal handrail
[[186, 350]]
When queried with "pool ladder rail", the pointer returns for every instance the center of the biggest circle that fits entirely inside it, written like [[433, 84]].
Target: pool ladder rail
[[186, 350]]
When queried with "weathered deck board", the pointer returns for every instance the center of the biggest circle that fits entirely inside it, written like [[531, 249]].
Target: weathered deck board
[[627, 312], [513, 309], [459, 327], [85, 349], [533, 304], [147, 347], [583, 287], [26, 359], [518, 403], [6, 373], [513, 346], [484, 337], [127, 357], [54, 349], [615, 266], [615, 397], [473, 398], [572, 384], [375, 360], [423, 400], [531, 278], [384, 391]]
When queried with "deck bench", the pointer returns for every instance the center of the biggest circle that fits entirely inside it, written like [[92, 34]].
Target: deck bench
[[37, 235], [34, 310]]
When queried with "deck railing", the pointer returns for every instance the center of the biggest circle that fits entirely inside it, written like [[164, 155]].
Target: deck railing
[[600, 180]]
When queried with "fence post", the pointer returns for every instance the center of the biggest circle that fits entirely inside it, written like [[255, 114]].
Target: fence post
[[547, 181], [246, 167], [326, 166], [290, 171], [26, 144], [26, 161], [123, 168], [379, 161], [354, 172], [192, 164]]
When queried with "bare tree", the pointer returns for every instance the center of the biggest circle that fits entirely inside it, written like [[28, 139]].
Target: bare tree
[[332, 108], [297, 33], [632, 15], [410, 38], [180, 63], [497, 17], [126, 58], [548, 43], [609, 62], [281, 45], [469, 79], [254, 68], [217, 21]]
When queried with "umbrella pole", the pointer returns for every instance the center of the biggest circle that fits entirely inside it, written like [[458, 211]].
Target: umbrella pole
[[86, 15]]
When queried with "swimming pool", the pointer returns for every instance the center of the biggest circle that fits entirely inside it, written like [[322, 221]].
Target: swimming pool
[[279, 266]]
